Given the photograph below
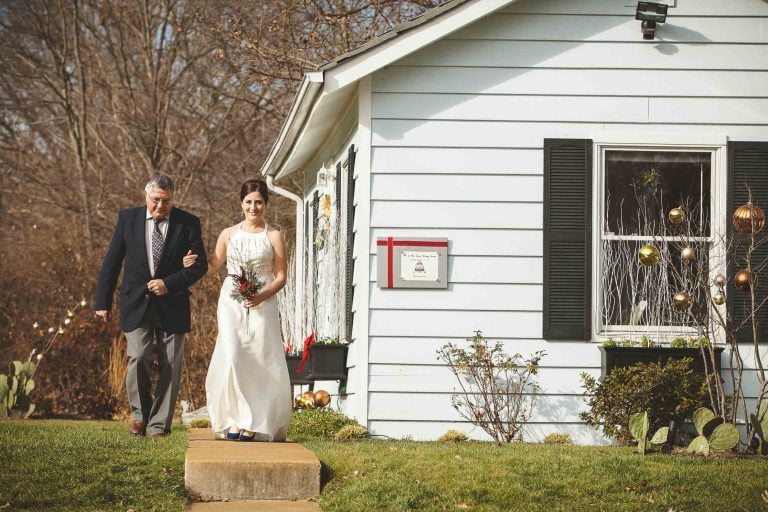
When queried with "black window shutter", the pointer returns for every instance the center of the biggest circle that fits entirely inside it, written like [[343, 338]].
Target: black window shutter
[[747, 172], [338, 190], [567, 239], [349, 289], [315, 221]]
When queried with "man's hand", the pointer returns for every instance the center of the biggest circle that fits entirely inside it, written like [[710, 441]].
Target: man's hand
[[103, 314], [157, 287]]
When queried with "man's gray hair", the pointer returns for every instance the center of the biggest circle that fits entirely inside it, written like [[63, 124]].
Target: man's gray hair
[[160, 181]]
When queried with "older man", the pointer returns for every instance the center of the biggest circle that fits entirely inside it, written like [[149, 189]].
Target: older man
[[149, 243]]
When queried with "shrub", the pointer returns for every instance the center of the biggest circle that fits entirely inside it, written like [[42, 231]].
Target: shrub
[[669, 393], [351, 433], [453, 436], [498, 391], [558, 438], [317, 423], [200, 423]]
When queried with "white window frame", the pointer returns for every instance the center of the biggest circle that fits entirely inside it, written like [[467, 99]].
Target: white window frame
[[718, 196]]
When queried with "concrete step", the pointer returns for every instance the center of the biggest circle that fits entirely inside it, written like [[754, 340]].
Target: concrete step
[[215, 469], [255, 506]]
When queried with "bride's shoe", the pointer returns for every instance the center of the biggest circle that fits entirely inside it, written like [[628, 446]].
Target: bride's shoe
[[246, 437], [233, 436]]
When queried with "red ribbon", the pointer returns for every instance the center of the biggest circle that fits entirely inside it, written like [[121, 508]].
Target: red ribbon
[[390, 262], [305, 354]]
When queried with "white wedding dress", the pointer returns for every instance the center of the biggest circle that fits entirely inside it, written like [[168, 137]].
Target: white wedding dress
[[247, 384]]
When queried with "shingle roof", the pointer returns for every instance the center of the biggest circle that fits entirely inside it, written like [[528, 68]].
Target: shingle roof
[[395, 31]]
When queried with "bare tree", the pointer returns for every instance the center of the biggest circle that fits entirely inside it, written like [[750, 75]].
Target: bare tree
[[99, 95]]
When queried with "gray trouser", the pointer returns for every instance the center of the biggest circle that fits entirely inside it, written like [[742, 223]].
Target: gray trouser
[[156, 412]]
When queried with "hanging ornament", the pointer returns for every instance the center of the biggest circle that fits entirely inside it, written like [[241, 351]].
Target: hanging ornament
[[720, 280], [648, 255], [676, 215], [718, 298], [682, 301], [742, 279], [688, 254], [746, 215], [322, 398]]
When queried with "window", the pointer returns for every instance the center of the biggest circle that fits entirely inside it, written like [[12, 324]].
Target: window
[[638, 190]]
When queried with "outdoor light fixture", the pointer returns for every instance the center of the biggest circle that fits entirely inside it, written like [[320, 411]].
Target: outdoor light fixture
[[650, 13], [325, 176]]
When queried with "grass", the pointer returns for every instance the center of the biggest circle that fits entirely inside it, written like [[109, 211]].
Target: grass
[[407, 475], [57, 465], [82, 465]]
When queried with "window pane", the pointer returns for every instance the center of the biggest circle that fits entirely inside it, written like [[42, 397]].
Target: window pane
[[638, 295], [641, 187]]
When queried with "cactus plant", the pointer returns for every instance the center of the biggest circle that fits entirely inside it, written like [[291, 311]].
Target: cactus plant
[[714, 434], [760, 425], [638, 427], [16, 390]]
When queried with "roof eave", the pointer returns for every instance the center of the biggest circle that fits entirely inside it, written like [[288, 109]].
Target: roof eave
[[359, 63], [303, 103]]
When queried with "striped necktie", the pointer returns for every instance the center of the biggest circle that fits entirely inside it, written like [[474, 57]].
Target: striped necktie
[[157, 245]]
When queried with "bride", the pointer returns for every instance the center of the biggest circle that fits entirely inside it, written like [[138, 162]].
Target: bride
[[247, 386]]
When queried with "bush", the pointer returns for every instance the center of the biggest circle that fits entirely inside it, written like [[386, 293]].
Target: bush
[[498, 391], [351, 433], [669, 393], [453, 436], [317, 423], [558, 438], [200, 423]]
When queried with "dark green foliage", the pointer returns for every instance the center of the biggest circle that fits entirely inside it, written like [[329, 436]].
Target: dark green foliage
[[317, 423], [669, 393]]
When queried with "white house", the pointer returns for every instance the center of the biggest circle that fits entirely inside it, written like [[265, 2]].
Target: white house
[[506, 127]]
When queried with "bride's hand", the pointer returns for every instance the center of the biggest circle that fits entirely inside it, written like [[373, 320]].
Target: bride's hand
[[252, 303], [189, 259]]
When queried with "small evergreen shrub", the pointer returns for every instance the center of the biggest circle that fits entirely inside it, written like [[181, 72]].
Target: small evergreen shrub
[[317, 423], [351, 433], [558, 438], [453, 436], [200, 423], [671, 392]]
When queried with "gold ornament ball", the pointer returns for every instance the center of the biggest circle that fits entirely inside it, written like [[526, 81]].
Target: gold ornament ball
[[682, 300], [676, 215], [718, 298], [742, 279], [745, 215], [322, 398], [648, 255], [688, 254], [720, 280]]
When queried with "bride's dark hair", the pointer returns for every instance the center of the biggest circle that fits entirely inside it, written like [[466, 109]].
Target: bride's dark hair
[[254, 186]]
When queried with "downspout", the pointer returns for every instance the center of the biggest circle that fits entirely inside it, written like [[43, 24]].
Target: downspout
[[298, 324]]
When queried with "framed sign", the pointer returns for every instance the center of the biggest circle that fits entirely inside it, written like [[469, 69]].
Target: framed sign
[[412, 262]]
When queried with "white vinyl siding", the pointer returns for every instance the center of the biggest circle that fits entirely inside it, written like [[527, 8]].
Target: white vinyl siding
[[457, 152]]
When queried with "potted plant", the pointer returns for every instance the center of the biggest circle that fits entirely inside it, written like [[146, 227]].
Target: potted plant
[[328, 359], [293, 360], [625, 353]]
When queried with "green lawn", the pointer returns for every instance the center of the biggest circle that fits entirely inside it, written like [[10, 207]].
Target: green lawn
[[408, 475], [89, 465], [82, 465]]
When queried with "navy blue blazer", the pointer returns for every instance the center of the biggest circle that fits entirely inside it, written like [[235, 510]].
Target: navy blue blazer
[[128, 250]]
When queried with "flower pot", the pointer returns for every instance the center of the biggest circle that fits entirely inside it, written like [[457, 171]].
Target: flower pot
[[296, 376], [621, 357], [328, 362]]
